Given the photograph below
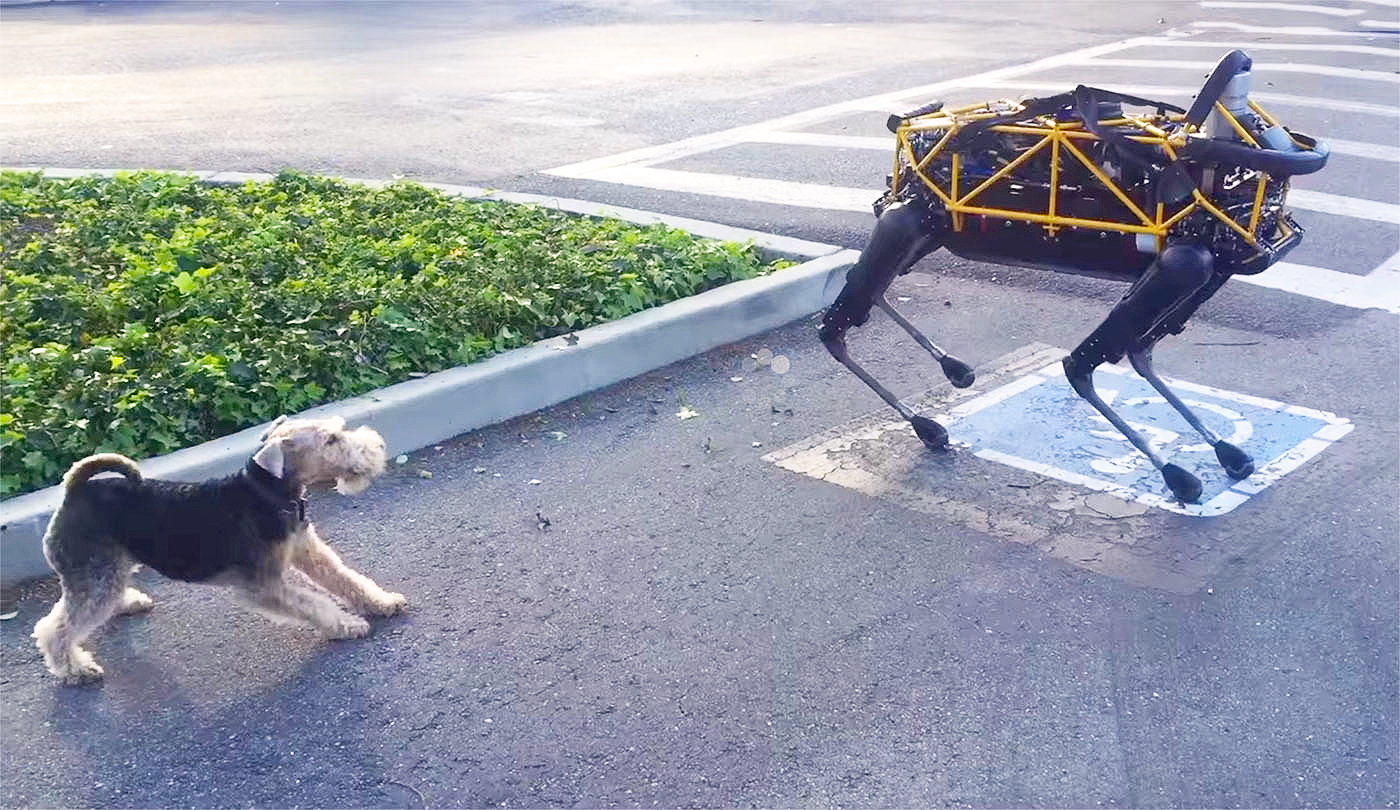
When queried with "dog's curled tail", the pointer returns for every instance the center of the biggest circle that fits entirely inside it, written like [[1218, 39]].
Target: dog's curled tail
[[102, 462]]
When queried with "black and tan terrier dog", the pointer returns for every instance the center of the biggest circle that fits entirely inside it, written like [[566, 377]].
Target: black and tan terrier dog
[[248, 530]]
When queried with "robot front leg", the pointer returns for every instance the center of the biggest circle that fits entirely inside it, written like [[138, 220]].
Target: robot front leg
[[1166, 289], [1237, 463], [900, 239], [958, 373]]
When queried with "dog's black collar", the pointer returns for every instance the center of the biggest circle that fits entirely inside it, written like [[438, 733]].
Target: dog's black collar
[[276, 491]]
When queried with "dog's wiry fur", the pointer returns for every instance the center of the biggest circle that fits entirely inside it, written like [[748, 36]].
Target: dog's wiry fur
[[248, 530]]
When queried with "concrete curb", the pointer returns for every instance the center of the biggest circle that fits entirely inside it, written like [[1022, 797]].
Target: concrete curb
[[430, 409]]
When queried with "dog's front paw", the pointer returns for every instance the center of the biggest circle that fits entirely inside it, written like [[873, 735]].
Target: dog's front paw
[[82, 669], [388, 605], [133, 601], [347, 627]]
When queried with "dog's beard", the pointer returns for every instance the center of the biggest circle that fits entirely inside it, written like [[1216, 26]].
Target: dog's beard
[[352, 484]]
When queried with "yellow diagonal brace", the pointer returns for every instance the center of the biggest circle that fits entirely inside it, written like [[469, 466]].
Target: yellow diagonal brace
[[1108, 182], [1236, 125], [1055, 137], [1258, 202], [1225, 218], [937, 148], [1003, 171]]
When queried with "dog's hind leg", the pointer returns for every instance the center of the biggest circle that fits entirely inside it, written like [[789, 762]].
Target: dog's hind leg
[[83, 608], [901, 237], [320, 562], [93, 572]]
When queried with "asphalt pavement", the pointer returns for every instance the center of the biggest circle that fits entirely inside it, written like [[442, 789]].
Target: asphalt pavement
[[614, 602], [666, 619]]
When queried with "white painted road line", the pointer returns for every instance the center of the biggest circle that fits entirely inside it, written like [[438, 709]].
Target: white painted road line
[[1375, 291], [1286, 30], [1259, 67], [588, 169], [788, 138], [1294, 7], [1374, 151], [1340, 105], [1344, 206], [753, 189], [845, 198], [1379, 290], [1373, 50]]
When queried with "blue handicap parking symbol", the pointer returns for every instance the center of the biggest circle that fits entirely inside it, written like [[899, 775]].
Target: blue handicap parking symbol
[[1038, 423]]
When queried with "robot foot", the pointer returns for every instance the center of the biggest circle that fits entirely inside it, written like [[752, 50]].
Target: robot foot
[[1185, 486], [1237, 463], [933, 435]]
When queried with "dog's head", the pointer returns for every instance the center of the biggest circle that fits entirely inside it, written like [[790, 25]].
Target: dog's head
[[322, 451]]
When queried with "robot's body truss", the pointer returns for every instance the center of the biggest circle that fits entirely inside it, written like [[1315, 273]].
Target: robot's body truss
[[1172, 201]]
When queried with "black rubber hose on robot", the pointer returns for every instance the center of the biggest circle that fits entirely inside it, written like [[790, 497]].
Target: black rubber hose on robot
[[1231, 64]]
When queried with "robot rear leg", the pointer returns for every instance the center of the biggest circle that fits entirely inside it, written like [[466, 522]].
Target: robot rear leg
[[1236, 462], [1159, 302]]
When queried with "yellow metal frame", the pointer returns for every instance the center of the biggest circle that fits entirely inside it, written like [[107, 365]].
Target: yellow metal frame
[[1061, 138]]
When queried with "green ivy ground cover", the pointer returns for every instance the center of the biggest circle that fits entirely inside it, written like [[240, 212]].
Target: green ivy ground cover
[[148, 312]]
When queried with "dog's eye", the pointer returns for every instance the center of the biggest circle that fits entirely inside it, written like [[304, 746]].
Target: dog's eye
[[333, 438]]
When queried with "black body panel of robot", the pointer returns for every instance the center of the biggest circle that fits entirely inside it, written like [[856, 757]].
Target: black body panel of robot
[[1088, 251]]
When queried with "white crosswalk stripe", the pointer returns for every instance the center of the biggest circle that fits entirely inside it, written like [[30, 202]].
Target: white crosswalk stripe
[[1168, 92], [1259, 67], [1293, 7], [1274, 30], [1324, 47], [1379, 289], [1374, 151], [1344, 206]]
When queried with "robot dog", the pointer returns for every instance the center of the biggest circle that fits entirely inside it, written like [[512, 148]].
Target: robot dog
[[1173, 201]]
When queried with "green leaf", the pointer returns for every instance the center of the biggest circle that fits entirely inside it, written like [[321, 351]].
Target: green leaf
[[185, 283]]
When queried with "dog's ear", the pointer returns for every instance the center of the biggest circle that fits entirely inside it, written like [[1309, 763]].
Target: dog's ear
[[278, 421], [271, 458], [336, 422]]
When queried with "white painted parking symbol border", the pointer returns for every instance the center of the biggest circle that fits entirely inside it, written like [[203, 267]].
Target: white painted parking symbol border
[[876, 455], [1332, 430]]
